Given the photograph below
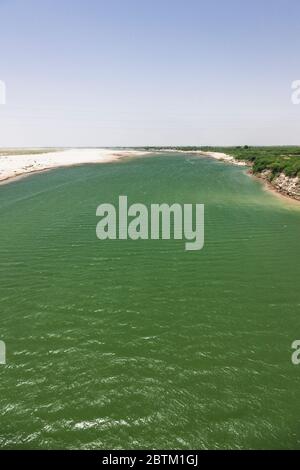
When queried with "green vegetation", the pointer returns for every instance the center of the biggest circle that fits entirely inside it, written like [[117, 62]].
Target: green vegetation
[[275, 159]]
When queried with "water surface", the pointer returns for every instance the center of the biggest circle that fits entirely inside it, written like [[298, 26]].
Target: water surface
[[140, 344]]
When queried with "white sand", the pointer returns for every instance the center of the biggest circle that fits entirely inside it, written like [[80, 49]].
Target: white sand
[[217, 155], [13, 166], [223, 157]]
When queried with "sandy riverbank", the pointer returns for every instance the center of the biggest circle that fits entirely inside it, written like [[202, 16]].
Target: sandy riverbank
[[223, 157], [15, 165]]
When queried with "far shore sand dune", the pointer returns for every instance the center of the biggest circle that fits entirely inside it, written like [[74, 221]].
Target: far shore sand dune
[[16, 165]]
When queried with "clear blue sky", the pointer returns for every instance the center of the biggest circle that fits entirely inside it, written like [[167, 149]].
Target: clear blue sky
[[156, 72]]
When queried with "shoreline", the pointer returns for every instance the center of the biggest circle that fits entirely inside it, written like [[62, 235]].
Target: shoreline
[[223, 157], [270, 188], [16, 166], [262, 177]]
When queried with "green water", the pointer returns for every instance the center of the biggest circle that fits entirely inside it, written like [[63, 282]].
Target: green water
[[140, 344]]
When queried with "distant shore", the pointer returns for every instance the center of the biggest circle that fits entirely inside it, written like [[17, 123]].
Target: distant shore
[[15, 164]]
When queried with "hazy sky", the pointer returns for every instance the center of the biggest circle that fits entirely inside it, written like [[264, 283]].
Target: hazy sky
[[149, 72]]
